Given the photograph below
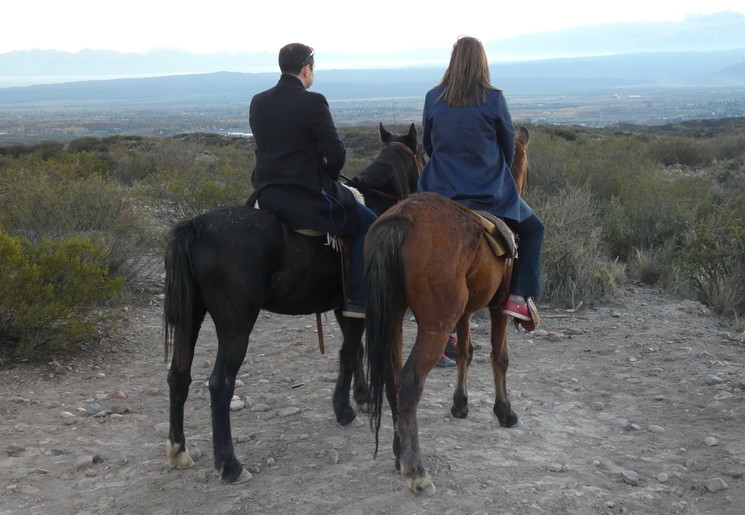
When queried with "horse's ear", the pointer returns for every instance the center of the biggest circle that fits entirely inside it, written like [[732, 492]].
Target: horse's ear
[[385, 135], [411, 137], [522, 136]]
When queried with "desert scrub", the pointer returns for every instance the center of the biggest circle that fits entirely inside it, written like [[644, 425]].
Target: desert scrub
[[51, 295], [207, 183], [575, 269], [53, 198]]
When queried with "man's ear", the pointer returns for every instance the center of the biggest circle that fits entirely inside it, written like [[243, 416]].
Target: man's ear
[[306, 76]]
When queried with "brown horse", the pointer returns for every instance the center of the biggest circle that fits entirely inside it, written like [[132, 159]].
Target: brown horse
[[407, 268]]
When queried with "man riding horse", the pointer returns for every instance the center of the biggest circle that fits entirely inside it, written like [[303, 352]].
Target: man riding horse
[[299, 158]]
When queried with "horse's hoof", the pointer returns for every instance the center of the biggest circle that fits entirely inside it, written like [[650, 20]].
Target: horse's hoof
[[459, 412], [243, 478], [346, 416], [176, 459], [505, 415], [423, 486], [364, 407]]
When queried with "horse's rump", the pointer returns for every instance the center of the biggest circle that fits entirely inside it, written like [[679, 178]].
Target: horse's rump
[[447, 251]]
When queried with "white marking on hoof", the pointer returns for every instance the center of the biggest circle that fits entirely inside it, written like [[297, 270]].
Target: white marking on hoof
[[176, 459], [243, 478], [423, 486]]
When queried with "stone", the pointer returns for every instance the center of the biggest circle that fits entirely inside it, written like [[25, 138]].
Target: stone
[[162, 429], [630, 477], [716, 484], [286, 412], [332, 456], [237, 405], [14, 450], [83, 462]]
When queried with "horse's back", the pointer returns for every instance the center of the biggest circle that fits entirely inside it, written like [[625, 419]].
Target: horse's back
[[248, 255]]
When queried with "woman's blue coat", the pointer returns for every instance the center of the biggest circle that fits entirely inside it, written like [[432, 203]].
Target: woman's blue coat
[[471, 149]]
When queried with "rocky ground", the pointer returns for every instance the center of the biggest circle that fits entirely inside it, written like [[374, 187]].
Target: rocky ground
[[634, 406]]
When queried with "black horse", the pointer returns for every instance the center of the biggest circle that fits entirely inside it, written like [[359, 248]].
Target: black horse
[[234, 262]]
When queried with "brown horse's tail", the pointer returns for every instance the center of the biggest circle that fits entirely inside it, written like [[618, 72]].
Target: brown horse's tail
[[180, 287], [384, 279]]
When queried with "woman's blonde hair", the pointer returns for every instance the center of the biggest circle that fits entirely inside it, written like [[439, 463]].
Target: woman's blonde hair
[[466, 79]]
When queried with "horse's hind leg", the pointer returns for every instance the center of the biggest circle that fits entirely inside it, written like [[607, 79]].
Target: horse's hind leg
[[232, 344], [179, 380], [424, 355], [350, 366], [500, 361], [463, 357], [392, 383]]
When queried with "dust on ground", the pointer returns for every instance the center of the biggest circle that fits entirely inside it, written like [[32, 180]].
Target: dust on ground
[[633, 406]]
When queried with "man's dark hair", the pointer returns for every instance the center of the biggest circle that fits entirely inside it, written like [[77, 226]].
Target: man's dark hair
[[294, 56]]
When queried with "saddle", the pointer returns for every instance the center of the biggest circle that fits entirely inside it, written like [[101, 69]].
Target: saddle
[[500, 238], [503, 242]]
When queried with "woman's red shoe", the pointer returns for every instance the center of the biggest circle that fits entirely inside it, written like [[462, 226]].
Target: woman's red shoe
[[519, 311]]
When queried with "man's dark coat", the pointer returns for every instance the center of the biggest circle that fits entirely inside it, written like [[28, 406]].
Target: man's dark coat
[[299, 157]]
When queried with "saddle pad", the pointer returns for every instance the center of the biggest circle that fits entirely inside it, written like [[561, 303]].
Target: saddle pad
[[499, 236]]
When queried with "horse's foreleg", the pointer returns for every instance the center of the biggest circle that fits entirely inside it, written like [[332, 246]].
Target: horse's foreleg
[[500, 361], [463, 357], [360, 387], [179, 380], [350, 365], [230, 354]]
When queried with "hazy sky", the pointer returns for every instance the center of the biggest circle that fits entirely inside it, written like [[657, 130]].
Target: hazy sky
[[374, 26]]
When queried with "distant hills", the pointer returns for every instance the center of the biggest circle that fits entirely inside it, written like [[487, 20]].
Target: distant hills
[[710, 33], [618, 73]]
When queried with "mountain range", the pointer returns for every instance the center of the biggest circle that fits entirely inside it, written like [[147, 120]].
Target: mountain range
[[718, 32], [703, 56], [578, 75]]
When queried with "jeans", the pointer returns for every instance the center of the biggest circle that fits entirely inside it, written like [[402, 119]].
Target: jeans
[[356, 286], [526, 272]]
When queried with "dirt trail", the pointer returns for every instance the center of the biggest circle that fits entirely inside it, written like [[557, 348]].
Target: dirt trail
[[636, 406]]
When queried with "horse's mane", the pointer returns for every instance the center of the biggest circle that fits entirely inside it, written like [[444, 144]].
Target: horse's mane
[[381, 175]]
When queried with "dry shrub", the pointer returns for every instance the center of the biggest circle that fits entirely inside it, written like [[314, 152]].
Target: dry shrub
[[575, 269]]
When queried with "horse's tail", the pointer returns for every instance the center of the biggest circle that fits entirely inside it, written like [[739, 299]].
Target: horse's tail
[[384, 276], [180, 287]]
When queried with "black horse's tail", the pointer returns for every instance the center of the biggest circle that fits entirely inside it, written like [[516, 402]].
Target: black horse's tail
[[180, 287], [384, 279]]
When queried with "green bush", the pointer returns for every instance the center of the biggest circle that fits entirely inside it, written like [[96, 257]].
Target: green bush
[[684, 151], [714, 260], [53, 198], [50, 295], [206, 184]]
